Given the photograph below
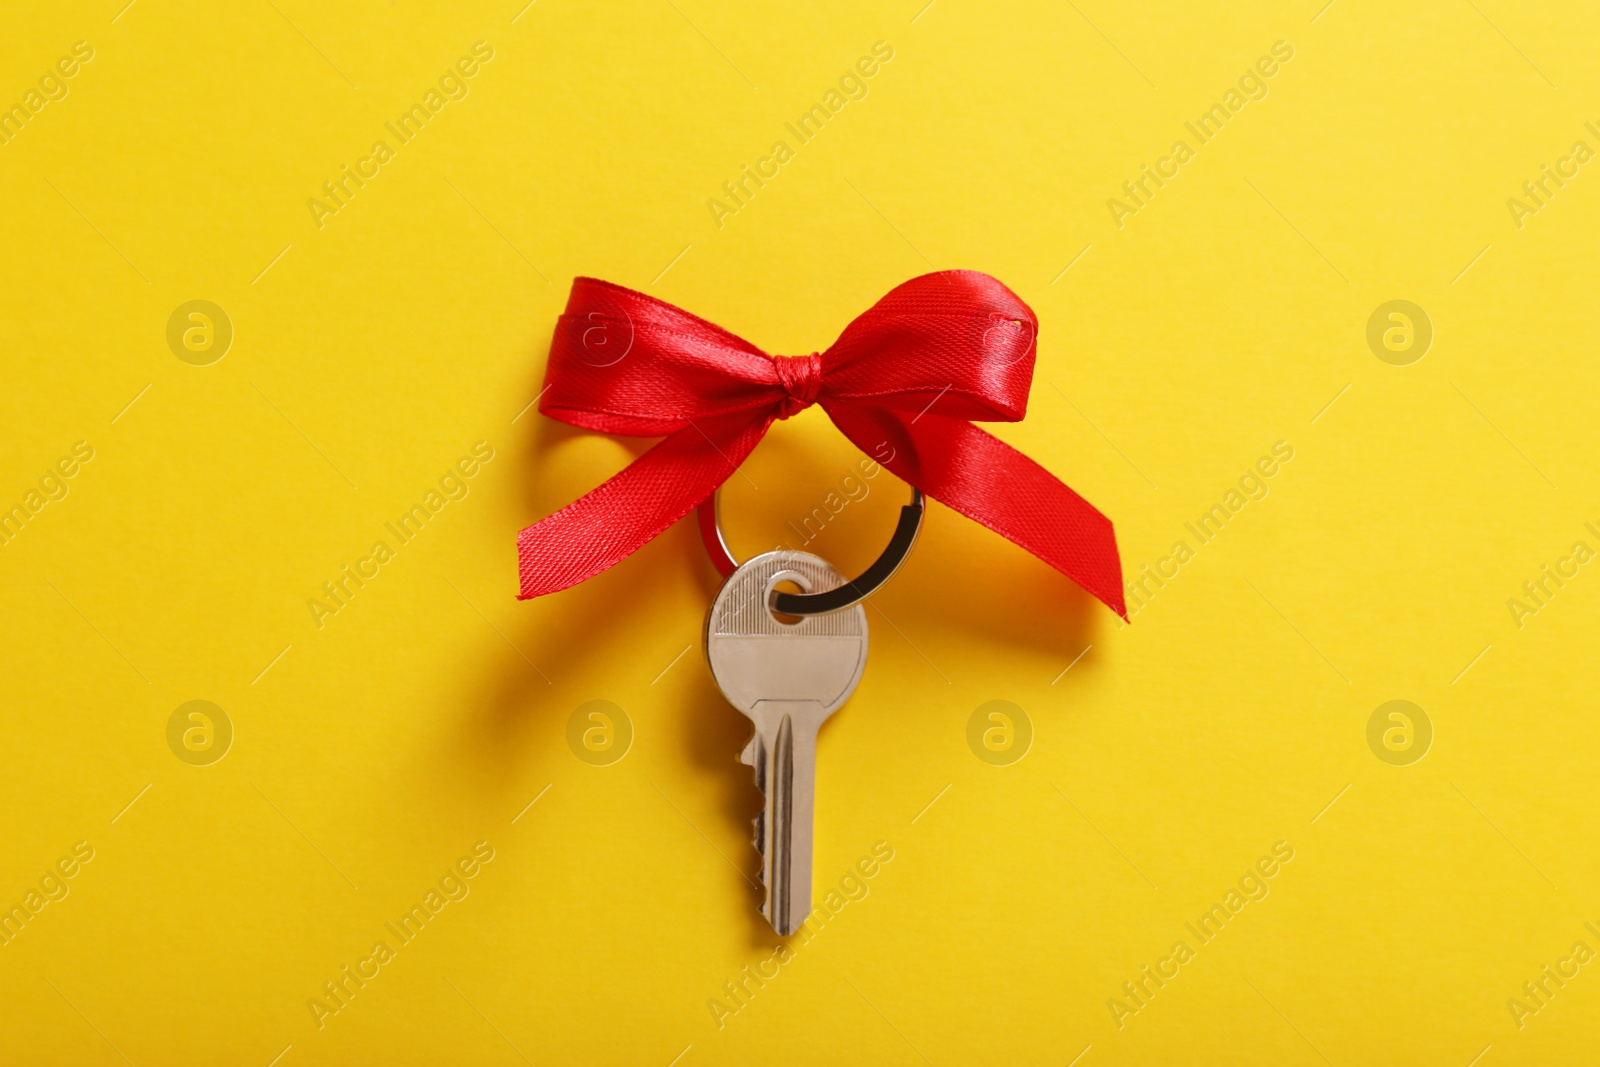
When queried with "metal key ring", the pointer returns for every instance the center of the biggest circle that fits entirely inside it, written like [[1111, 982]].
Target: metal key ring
[[847, 595]]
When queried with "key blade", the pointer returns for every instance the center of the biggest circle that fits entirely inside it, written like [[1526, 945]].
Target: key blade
[[780, 858], [788, 747]]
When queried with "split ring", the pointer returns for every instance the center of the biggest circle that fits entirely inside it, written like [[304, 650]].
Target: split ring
[[847, 595]]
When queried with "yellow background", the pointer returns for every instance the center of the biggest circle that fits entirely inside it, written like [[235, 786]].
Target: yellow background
[[370, 754]]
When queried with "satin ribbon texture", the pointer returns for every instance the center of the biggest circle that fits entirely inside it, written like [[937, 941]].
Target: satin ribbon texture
[[901, 382]]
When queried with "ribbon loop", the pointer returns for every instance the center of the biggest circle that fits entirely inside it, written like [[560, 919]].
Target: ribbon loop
[[900, 382]]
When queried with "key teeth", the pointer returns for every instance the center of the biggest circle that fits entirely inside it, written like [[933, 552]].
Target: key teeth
[[752, 757], [761, 872], [759, 823]]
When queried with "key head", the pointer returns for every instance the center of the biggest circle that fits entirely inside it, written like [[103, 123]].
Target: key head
[[758, 658]]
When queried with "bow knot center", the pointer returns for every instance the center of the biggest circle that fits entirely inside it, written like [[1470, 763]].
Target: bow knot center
[[801, 378]]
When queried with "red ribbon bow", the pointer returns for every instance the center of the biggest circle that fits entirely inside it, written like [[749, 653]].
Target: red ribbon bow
[[901, 382]]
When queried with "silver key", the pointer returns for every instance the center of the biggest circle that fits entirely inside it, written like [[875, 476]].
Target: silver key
[[786, 678]]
